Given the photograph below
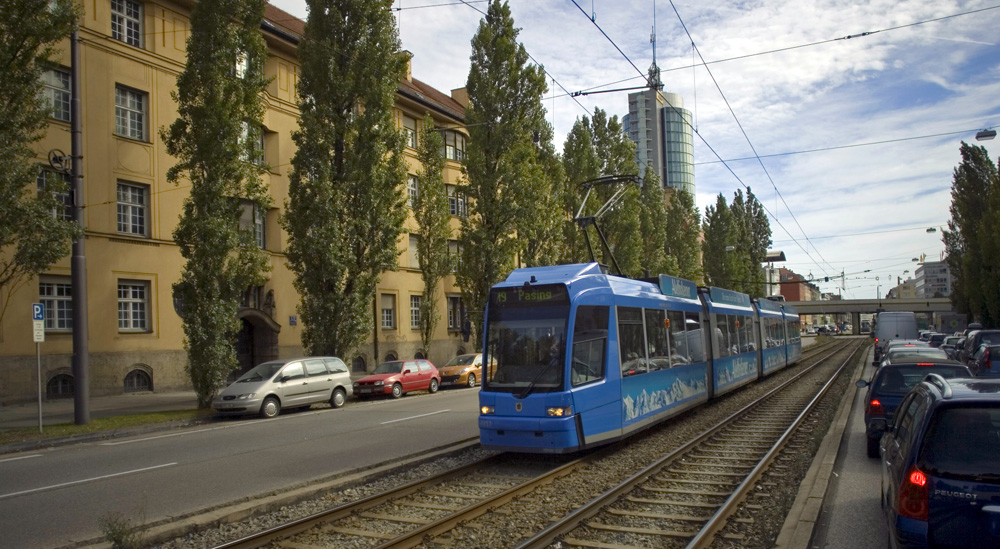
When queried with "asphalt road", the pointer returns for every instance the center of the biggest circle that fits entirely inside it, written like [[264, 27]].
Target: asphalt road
[[852, 516], [54, 497]]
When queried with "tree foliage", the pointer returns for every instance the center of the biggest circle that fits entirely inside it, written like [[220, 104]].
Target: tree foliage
[[683, 235], [972, 241], [346, 207], [31, 238], [597, 147], [752, 238], [430, 210], [653, 227], [540, 225], [505, 110], [215, 142], [720, 233]]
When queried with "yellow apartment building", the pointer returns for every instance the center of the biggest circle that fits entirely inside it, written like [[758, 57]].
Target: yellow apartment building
[[131, 53]]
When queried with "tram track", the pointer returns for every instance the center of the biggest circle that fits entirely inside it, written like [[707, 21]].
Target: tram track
[[426, 512]]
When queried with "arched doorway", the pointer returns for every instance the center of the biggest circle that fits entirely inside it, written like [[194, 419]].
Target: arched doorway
[[257, 340], [59, 386]]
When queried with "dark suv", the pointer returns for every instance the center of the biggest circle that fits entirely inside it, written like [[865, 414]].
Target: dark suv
[[974, 340], [940, 471]]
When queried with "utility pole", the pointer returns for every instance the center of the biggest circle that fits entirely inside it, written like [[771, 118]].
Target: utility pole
[[78, 262]]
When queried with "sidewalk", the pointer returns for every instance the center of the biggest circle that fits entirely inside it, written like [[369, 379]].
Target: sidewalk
[[62, 410]]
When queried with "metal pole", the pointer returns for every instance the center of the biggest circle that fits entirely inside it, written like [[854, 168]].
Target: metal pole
[[38, 358], [78, 263]]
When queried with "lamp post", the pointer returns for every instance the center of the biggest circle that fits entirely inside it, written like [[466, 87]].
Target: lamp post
[[985, 135]]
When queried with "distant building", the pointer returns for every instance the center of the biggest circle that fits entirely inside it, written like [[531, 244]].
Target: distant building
[[933, 279], [660, 127], [905, 290]]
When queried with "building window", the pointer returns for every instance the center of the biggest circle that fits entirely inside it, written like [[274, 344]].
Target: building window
[[50, 179], [60, 386], [410, 129], [457, 204], [56, 91], [258, 228], [412, 189], [388, 312], [415, 320], [126, 22], [454, 313], [241, 66], [454, 145], [137, 381], [454, 249], [133, 306], [253, 217], [130, 113], [414, 250], [133, 205], [252, 144], [56, 296]]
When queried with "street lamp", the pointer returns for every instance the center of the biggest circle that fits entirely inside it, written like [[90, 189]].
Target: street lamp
[[985, 135]]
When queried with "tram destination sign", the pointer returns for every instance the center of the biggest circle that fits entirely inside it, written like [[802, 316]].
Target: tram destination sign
[[722, 296], [678, 287], [530, 296]]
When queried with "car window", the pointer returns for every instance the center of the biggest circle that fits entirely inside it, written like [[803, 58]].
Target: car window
[[411, 366], [900, 379], [293, 371], [905, 423], [963, 442], [315, 367], [991, 337], [424, 366], [336, 365]]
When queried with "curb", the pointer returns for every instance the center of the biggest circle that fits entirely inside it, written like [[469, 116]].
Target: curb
[[45, 443], [797, 531]]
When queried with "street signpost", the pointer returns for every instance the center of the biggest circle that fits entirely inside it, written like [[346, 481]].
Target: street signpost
[[38, 322]]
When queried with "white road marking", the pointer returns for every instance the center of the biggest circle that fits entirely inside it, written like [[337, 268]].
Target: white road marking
[[193, 431], [20, 457], [414, 417], [3, 496]]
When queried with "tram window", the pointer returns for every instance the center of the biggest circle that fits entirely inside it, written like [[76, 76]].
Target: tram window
[[657, 340], [679, 353], [722, 334], [590, 336], [631, 343], [735, 343], [695, 337]]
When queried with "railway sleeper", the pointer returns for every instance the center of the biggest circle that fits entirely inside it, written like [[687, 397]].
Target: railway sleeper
[[394, 518], [689, 492], [649, 501], [664, 516], [648, 531]]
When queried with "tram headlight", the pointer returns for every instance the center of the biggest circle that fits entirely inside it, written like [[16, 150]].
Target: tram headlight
[[486, 410], [559, 411]]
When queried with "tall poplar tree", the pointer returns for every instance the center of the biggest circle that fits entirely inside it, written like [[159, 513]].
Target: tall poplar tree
[[215, 137], [505, 110], [752, 238], [720, 233], [580, 164], [540, 226], [31, 238], [346, 207], [430, 210], [971, 241], [653, 227], [684, 235]]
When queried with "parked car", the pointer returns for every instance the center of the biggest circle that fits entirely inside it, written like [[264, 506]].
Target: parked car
[[398, 377], [286, 383], [891, 382], [936, 339], [984, 359], [940, 472], [974, 340], [948, 345], [465, 370], [822, 330]]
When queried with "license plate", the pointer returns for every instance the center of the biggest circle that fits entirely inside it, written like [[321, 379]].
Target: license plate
[[364, 390]]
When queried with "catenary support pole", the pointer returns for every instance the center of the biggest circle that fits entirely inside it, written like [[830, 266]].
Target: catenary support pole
[[78, 262]]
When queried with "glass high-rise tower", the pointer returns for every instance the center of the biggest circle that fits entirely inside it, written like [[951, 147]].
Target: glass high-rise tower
[[660, 127]]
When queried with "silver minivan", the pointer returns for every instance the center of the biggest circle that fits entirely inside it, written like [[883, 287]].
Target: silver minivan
[[286, 383], [890, 326]]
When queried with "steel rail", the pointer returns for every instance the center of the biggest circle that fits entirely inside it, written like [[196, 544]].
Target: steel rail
[[570, 522]]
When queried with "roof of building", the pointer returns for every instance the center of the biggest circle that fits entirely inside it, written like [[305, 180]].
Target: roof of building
[[415, 89]]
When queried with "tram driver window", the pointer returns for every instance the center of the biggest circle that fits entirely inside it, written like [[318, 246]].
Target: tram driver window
[[631, 342], [590, 336]]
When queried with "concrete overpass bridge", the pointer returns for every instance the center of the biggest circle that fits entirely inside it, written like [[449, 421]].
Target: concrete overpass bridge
[[855, 307]]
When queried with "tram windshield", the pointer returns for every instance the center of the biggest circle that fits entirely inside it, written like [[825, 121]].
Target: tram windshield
[[526, 339]]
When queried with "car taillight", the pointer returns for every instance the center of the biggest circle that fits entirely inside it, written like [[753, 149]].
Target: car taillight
[[875, 408], [913, 497], [987, 362]]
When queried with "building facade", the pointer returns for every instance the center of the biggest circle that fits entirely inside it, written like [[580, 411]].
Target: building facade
[[660, 127], [933, 279], [131, 53]]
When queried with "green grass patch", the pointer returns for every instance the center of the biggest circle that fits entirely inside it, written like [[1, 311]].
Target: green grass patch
[[109, 424]]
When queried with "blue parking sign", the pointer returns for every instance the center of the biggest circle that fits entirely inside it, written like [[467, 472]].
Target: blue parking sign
[[37, 311]]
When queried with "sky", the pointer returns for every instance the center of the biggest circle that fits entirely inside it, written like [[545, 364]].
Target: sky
[[857, 137]]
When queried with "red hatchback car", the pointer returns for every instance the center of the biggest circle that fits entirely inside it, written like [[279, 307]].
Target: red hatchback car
[[399, 377]]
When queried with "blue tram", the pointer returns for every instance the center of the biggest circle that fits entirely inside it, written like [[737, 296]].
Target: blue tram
[[583, 358]]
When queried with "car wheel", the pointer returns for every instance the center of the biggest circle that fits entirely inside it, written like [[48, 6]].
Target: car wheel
[[338, 398], [433, 387], [872, 447], [397, 391], [472, 380], [270, 408]]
